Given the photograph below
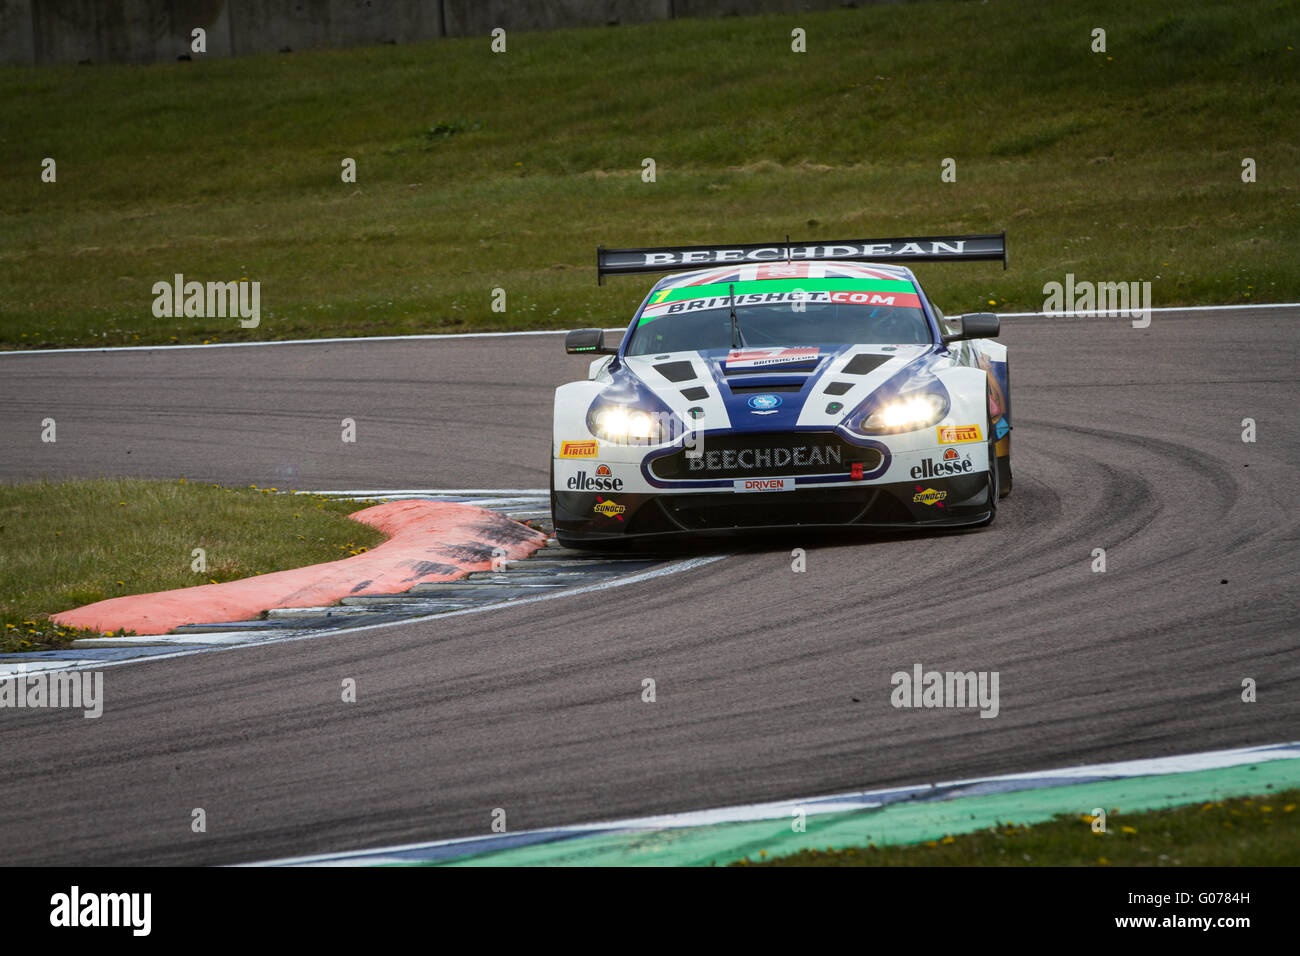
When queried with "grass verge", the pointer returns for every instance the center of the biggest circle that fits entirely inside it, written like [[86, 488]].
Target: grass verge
[[478, 171], [1245, 831], [69, 543]]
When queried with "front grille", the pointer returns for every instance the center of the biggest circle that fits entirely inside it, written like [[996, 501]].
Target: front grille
[[778, 454], [723, 512], [747, 389]]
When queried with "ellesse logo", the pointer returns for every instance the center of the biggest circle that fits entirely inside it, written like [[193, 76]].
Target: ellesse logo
[[602, 480], [952, 464]]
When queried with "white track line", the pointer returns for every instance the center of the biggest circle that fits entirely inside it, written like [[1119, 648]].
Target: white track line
[[489, 492], [1164, 308], [838, 803], [485, 335]]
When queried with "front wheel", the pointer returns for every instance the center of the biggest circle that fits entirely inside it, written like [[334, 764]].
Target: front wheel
[[994, 475], [552, 488], [1004, 463]]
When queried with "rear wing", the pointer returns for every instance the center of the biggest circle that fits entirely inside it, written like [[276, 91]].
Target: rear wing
[[619, 262]]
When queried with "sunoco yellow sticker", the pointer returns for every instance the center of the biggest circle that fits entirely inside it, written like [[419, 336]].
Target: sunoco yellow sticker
[[930, 496]]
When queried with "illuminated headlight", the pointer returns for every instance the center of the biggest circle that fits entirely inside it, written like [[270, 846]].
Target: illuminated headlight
[[906, 414], [618, 423]]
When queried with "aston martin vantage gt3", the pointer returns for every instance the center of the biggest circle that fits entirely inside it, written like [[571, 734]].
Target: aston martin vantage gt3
[[784, 386]]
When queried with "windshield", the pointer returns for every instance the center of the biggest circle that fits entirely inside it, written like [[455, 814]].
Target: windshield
[[819, 323]]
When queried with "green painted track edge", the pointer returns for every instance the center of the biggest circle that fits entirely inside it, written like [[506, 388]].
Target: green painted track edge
[[908, 822]]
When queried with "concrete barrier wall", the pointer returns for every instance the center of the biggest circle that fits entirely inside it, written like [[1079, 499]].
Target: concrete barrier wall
[[265, 27], [146, 31], [467, 18], [122, 31], [16, 33]]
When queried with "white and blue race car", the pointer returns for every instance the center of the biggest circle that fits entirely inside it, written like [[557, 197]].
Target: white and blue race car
[[784, 386]]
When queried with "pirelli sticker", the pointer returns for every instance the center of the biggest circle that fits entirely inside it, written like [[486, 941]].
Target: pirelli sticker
[[579, 449], [958, 434]]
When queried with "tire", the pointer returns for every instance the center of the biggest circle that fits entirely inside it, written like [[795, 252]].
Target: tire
[[994, 473], [1004, 464], [551, 489]]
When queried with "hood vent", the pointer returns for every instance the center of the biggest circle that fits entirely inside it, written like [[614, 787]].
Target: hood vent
[[863, 364], [676, 371]]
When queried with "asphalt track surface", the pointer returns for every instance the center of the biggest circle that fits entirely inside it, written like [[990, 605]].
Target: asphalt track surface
[[770, 684]]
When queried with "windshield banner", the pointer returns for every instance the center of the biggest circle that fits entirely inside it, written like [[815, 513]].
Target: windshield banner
[[896, 298], [758, 358]]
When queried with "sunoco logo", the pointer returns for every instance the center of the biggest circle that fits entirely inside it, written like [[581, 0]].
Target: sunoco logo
[[603, 480], [610, 509], [929, 496]]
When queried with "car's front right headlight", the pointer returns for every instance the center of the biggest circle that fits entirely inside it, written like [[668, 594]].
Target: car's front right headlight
[[621, 424]]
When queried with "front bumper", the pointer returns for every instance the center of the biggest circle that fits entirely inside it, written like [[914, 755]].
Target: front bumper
[[932, 502]]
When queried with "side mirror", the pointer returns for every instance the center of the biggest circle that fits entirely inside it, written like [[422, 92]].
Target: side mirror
[[587, 342], [976, 325]]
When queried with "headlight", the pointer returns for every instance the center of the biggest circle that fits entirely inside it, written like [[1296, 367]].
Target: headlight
[[905, 413], [622, 425]]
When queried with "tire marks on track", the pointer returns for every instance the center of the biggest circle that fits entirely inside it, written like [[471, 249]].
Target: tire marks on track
[[772, 684]]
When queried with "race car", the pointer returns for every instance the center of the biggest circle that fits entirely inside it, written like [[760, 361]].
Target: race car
[[777, 386]]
